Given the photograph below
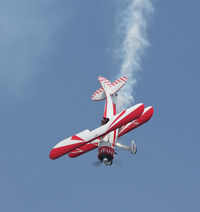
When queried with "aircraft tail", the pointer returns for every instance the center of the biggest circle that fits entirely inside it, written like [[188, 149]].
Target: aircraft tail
[[108, 87]]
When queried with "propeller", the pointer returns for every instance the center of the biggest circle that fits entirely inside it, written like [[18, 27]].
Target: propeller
[[117, 162], [97, 163]]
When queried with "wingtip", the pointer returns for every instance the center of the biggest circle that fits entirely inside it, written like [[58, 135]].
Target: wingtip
[[52, 155]]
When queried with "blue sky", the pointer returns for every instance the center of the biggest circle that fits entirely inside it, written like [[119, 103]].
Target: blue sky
[[51, 55]]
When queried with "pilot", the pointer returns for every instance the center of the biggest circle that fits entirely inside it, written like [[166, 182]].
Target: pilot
[[104, 120]]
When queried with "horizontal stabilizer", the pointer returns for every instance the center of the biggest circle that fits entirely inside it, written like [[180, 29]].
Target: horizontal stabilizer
[[117, 85], [111, 88]]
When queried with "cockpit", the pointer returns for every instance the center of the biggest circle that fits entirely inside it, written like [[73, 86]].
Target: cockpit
[[104, 121]]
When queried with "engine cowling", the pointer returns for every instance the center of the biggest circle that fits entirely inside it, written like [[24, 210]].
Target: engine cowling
[[133, 148], [106, 154]]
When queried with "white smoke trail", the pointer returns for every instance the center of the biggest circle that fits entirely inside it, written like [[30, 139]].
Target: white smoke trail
[[132, 30]]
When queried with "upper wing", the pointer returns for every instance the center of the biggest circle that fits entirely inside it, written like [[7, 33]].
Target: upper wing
[[86, 136], [146, 115], [68, 144]]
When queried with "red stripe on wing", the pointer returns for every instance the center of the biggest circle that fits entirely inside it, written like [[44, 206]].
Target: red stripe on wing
[[83, 149], [60, 151], [75, 137], [146, 116], [130, 117]]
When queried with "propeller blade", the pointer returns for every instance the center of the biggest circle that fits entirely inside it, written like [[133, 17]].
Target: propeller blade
[[117, 162], [97, 163]]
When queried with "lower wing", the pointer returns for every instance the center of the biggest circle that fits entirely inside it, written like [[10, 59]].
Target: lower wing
[[84, 149]]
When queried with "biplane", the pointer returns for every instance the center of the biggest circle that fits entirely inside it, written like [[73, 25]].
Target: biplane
[[113, 126]]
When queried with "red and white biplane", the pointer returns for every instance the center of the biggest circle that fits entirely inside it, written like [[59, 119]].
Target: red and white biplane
[[114, 125]]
